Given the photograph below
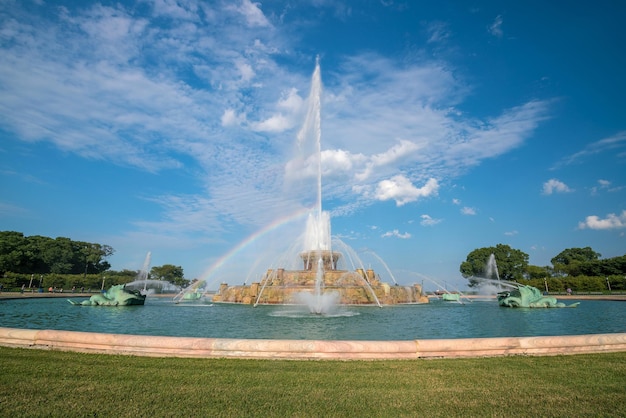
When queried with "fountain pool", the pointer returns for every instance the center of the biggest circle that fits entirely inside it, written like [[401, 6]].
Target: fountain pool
[[436, 320]]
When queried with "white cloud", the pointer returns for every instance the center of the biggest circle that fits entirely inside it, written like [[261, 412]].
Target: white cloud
[[438, 32], [245, 70], [393, 154], [555, 186], [466, 210], [612, 221], [253, 14], [511, 233], [336, 161], [178, 9], [397, 234], [469, 142], [606, 186], [291, 101], [496, 27], [456, 201], [199, 87], [614, 144], [400, 189], [275, 123], [429, 221], [230, 118]]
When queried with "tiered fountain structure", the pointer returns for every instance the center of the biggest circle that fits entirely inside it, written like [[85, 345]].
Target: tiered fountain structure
[[320, 284]]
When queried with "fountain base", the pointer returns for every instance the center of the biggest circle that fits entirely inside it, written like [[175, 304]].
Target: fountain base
[[357, 287]]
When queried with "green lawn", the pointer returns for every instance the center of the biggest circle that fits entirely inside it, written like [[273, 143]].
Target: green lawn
[[50, 383]]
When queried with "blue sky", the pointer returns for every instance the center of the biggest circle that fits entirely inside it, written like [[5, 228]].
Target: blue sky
[[167, 126]]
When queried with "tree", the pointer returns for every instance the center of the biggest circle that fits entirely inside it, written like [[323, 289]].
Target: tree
[[11, 251], [512, 264], [168, 272], [91, 257], [42, 255], [536, 272], [58, 254], [570, 261]]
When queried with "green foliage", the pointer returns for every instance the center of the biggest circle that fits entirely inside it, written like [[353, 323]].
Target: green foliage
[[536, 272], [580, 284], [51, 383], [569, 261], [579, 269], [92, 282], [42, 255], [511, 263], [168, 272]]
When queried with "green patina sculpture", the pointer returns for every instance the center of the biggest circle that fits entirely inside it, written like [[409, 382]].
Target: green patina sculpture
[[116, 296], [192, 295], [524, 296]]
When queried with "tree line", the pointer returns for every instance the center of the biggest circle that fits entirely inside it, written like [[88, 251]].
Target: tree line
[[65, 263], [43, 255], [579, 269]]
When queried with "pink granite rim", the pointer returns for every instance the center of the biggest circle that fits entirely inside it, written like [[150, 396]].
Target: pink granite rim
[[155, 346]]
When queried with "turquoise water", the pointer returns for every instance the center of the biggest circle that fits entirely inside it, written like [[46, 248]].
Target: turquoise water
[[438, 319]]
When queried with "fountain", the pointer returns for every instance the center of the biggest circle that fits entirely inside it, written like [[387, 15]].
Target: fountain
[[491, 270], [490, 284], [143, 273], [146, 285], [116, 295], [523, 296], [518, 295], [432, 331], [191, 293], [320, 283]]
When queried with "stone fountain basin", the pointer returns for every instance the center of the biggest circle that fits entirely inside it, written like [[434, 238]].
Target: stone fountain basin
[[156, 346]]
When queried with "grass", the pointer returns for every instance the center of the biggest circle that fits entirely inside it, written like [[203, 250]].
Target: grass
[[51, 383]]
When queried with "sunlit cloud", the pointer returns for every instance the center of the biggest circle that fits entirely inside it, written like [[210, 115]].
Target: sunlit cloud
[[198, 87], [395, 233], [466, 210], [612, 221], [427, 220], [252, 13], [400, 189], [555, 186]]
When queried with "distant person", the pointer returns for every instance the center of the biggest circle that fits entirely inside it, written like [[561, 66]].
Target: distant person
[[569, 291], [23, 287], [1, 286]]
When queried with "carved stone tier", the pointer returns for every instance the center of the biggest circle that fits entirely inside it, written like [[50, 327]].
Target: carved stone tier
[[329, 259]]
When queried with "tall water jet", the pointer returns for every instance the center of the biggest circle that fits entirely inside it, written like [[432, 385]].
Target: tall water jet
[[491, 270], [321, 282], [143, 273], [317, 234], [490, 284]]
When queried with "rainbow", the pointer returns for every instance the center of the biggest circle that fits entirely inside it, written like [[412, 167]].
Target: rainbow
[[252, 238]]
